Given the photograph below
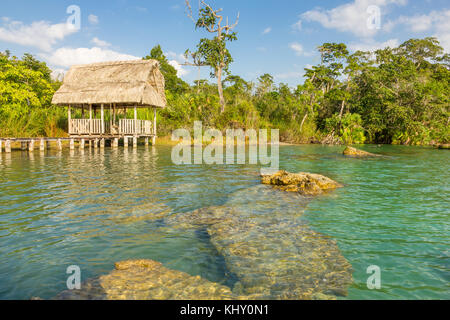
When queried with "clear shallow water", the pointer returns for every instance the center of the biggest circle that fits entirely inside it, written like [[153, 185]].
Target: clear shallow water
[[94, 209]]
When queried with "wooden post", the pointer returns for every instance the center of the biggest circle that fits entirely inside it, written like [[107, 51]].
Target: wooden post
[[102, 116], [47, 144], [95, 143], [23, 145], [69, 119], [8, 146], [90, 120], [135, 142], [115, 143], [42, 145], [59, 144], [102, 143], [125, 142], [146, 141], [154, 127], [82, 144], [31, 146], [110, 118], [72, 144], [1, 146], [135, 121]]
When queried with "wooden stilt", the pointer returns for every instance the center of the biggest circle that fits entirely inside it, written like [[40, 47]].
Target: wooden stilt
[[115, 143], [72, 144], [59, 144], [90, 144], [8, 146], [95, 143], [42, 145], [153, 140], [47, 144], [82, 144], [125, 142], [134, 142], [23, 145], [146, 141], [31, 146], [102, 143]]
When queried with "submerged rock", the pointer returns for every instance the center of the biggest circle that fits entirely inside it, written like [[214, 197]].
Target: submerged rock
[[273, 253], [147, 280], [350, 151], [303, 182]]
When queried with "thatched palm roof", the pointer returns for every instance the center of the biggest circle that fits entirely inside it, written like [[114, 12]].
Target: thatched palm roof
[[136, 82]]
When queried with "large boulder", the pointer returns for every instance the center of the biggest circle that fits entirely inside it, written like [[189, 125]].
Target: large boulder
[[302, 182], [350, 151]]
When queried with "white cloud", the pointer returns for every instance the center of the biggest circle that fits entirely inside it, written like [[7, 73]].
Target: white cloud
[[350, 17], [180, 70], [289, 75], [297, 26], [40, 34], [438, 23], [58, 74], [267, 30], [66, 57], [297, 47], [100, 43], [373, 45], [93, 19]]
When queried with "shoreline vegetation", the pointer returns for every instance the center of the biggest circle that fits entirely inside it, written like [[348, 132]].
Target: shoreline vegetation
[[390, 96]]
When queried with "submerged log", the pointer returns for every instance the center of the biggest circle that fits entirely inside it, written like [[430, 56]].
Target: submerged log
[[302, 182]]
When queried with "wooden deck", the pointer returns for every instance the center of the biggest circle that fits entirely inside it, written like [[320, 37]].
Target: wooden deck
[[95, 141]]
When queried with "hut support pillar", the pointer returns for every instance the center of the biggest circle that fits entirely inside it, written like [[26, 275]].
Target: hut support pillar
[[72, 144], [42, 145], [95, 143], [102, 143], [115, 143], [146, 141], [154, 127], [82, 144], [23, 146], [47, 144], [8, 146], [125, 142], [90, 121], [135, 142], [31, 146], [59, 144], [69, 119], [103, 118]]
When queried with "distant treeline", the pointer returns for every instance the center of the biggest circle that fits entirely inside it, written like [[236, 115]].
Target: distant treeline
[[393, 95]]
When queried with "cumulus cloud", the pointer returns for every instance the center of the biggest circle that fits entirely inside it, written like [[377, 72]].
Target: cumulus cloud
[[93, 19], [350, 17], [373, 45], [66, 57], [267, 30], [100, 43], [176, 61], [39, 34], [297, 47], [436, 22]]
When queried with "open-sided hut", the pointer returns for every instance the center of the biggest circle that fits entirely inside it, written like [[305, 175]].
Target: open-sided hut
[[106, 91]]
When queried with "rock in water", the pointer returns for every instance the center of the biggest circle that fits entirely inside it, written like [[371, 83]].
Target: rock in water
[[444, 146], [350, 151], [273, 253], [147, 280], [302, 182]]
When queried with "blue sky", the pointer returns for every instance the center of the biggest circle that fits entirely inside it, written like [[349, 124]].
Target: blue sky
[[276, 37]]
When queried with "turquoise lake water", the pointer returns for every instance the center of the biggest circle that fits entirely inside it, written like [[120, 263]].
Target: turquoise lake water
[[96, 208]]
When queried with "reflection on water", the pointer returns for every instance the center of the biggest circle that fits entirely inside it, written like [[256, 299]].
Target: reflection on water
[[106, 205]]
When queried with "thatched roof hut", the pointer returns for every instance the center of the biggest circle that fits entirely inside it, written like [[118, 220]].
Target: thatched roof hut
[[125, 83]]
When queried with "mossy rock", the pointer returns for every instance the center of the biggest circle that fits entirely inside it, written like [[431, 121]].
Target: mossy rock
[[350, 151]]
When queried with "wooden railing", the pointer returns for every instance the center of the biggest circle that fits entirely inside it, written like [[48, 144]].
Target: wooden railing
[[131, 126], [86, 126]]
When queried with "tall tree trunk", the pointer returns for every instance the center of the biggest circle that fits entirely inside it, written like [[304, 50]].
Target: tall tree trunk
[[303, 121], [220, 89]]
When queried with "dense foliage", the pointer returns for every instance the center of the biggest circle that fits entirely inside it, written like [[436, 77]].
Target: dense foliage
[[394, 95]]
